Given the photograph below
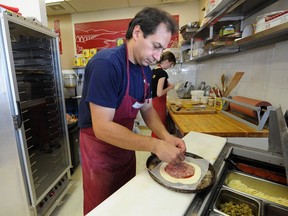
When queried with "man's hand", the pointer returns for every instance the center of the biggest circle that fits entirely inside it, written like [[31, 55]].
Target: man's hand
[[171, 149]]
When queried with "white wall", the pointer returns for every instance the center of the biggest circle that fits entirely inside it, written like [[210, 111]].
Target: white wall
[[266, 73]]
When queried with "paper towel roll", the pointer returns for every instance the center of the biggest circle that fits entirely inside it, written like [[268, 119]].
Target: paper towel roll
[[249, 101]]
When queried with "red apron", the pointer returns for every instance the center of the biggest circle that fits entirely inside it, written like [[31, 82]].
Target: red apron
[[159, 104], [105, 168]]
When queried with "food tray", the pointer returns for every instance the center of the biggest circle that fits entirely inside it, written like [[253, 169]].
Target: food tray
[[268, 188], [203, 185], [226, 195], [273, 210]]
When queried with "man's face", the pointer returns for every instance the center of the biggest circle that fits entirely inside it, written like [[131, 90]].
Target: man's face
[[148, 50]]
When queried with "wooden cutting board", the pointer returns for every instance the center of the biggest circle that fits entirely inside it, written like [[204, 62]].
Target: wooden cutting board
[[193, 110]]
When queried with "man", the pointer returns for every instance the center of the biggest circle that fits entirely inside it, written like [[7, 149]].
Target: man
[[116, 86]]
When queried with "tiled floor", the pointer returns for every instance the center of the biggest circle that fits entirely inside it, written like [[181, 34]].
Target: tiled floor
[[72, 203]]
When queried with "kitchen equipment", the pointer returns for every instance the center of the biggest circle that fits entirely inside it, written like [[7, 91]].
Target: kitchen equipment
[[256, 171], [229, 197], [183, 89], [223, 83], [202, 185], [258, 188], [188, 30], [207, 90], [196, 95], [204, 99], [70, 80], [254, 108], [237, 101], [34, 145], [234, 81], [264, 189], [202, 86]]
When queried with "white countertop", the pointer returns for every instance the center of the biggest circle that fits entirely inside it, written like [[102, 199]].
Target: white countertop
[[143, 196]]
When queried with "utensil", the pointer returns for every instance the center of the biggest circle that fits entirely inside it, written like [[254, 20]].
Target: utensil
[[223, 82], [236, 78], [232, 164]]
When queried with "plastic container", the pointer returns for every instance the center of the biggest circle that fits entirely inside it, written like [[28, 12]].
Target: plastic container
[[211, 102], [70, 80], [196, 95], [204, 99]]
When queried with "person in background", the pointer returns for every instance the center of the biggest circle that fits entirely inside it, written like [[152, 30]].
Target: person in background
[[161, 86], [116, 86]]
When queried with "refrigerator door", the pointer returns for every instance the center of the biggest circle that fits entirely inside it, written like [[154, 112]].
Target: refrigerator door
[[37, 108]]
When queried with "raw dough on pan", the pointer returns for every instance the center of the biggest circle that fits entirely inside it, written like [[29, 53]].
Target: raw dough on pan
[[191, 180]]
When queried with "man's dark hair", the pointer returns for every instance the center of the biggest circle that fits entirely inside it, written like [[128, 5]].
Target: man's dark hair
[[148, 19]]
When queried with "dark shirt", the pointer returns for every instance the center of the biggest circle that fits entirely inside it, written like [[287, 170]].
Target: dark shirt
[[158, 73], [105, 82]]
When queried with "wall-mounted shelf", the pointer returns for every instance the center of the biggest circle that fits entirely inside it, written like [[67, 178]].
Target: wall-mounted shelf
[[273, 35], [235, 11]]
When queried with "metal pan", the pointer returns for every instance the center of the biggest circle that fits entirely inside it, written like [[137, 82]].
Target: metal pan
[[203, 185]]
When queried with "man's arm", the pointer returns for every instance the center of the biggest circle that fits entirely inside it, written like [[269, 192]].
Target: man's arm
[[105, 129]]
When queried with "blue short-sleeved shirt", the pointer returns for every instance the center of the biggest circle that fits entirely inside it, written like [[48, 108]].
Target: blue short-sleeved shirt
[[105, 82]]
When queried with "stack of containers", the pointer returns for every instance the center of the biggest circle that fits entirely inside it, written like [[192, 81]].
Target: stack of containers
[[81, 60]]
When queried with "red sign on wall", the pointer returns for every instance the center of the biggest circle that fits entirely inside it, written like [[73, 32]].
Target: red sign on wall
[[104, 34]]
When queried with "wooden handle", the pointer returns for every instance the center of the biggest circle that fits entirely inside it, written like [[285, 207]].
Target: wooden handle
[[236, 78]]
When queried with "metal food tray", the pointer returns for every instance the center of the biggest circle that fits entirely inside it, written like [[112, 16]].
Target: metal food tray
[[226, 195], [153, 161], [267, 187]]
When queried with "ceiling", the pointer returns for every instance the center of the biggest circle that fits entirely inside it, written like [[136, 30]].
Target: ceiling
[[79, 6]]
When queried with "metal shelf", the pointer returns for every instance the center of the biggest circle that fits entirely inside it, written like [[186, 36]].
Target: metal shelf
[[272, 35], [245, 9]]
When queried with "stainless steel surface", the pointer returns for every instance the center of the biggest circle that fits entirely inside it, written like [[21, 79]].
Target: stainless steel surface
[[183, 89], [225, 196], [273, 210], [70, 80], [33, 138], [239, 10], [203, 203], [278, 135], [268, 188]]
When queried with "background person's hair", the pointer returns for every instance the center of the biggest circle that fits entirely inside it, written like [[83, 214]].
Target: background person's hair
[[148, 19], [168, 56]]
